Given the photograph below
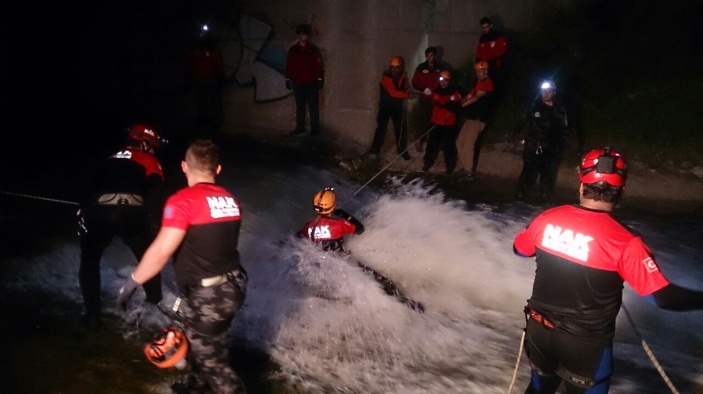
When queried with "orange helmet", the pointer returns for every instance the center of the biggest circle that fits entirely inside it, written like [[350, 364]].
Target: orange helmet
[[396, 61], [604, 164], [169, 349], [482, 64], [325, 201], [444, 74]]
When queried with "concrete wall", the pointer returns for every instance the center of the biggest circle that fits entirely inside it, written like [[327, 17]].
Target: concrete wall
[[357, 38]]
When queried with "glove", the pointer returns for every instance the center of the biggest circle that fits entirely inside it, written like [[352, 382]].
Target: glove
[[320, 83], [342, 214], [427, 91], [126, 292], [289, 84]]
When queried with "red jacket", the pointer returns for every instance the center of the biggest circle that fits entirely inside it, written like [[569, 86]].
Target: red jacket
[[393, 91], [205, 64], [445, 104], [426, 76], [304, 64], [491, 48]]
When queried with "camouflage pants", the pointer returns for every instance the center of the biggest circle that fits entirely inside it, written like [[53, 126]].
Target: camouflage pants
[[209, 350]]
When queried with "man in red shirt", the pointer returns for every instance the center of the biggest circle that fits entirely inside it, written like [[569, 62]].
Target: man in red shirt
[[305, 74], [491, 48], [200, 229], [395, 89], [426, 80], [478, 104], [206, 69], [331, 224], [583, 257], [445, 104]]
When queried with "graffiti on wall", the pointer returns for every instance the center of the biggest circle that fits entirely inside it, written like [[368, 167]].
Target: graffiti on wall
[[252, 60]]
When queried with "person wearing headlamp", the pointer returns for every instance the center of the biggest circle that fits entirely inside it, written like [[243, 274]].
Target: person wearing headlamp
[[544, 143]]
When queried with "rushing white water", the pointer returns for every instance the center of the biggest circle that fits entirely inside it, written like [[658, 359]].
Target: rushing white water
[[332, 329]]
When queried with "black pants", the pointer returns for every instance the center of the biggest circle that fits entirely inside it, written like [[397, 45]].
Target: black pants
[[555, 356], [103, 223], [400, 128], [544, 165], [307, 95], [209, 107], [442, 137]]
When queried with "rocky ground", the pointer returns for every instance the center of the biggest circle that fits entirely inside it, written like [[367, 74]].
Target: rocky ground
[[665, 191]]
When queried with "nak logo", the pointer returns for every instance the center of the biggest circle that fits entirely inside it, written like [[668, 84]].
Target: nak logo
[[566, 242], [123, 154], [319, 232], [222, 207]]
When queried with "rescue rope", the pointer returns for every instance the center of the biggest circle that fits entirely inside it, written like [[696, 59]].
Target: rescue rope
[[39, 198], [517, 362], [650, 354], [393, 161]]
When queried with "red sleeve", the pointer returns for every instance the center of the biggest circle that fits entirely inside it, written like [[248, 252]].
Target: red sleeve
[[176, 213], [289, 63], [416, 81], [639, 269], [524, 243], [320, 65], [500, 47], [387, 83]]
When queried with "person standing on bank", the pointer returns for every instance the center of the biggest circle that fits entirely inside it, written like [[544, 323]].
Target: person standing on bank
[[200, 229], [445, 105], [426, 81], [583, 256], [206, 69], [395, 89], [124, 199], [478, 104], [545, 140], [491, 48], [305, 74]]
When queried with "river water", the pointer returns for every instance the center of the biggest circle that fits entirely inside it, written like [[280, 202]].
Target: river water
[[313, 322]]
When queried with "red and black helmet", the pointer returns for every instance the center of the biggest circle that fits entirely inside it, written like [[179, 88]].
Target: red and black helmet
[[603, 164], [145, 133]]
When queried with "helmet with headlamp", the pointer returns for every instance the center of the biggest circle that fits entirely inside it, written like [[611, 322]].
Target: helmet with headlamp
[[603, 165]]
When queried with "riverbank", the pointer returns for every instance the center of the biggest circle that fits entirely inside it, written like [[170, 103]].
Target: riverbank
[[648, 191]]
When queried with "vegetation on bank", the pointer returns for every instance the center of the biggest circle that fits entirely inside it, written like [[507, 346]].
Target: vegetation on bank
[[629, 73]]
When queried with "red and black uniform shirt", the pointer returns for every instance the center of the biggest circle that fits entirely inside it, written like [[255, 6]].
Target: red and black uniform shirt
[[304, 64], [211, 217], [582, 257], [480, 110], [129, 171], [328, 231]]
